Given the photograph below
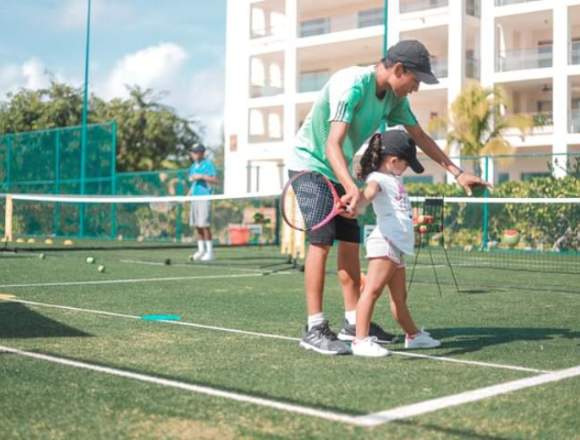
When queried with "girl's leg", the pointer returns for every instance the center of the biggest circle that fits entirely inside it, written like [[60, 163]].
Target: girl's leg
[[349, 273], [379, 273], [314, 272], [398, 300]]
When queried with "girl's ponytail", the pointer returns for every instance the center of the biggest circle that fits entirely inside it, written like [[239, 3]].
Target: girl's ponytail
[[372, 158]]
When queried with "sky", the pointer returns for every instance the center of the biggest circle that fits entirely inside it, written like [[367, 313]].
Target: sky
[[174, 46]]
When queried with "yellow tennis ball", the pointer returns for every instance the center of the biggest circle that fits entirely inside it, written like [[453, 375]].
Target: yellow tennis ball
[[101, 268]]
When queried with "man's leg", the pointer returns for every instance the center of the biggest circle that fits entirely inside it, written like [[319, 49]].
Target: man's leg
[[200, 244]]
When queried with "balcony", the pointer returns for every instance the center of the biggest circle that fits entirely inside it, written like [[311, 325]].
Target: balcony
[[575, 121], [421, 5], [471, 67], [341, 22], [521, 59], [266, 75], [266, 125], [312, 81], [511, 2], [439, 66], [575, 52], [267, 19]]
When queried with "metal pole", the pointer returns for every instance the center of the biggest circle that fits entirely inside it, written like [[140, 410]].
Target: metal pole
[[385, 42], [85, 115], [113, 178], [485, 231]]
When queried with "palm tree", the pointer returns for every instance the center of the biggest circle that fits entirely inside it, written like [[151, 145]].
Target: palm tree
[[477, 122]]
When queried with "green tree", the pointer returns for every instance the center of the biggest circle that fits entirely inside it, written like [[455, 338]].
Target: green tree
[[478, 121], [150, 135]]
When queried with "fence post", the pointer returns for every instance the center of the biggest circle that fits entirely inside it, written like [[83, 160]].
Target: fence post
[[179, 208], [9, 139], [57, 206], [114, 178], [485, 226]]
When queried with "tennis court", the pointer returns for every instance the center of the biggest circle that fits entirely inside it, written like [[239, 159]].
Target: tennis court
[[78, 360]]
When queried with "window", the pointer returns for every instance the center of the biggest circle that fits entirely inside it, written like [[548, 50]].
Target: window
[[317, 26], [256, 123], [370, 17], [503, 177], [258, 76], [417, 179], [533, 175], [275, 126]]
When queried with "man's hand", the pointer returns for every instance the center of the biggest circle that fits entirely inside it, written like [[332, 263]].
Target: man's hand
[[351, 199], [469, 182]]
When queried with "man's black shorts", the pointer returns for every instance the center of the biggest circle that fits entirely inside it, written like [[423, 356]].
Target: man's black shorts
[[340, 228]]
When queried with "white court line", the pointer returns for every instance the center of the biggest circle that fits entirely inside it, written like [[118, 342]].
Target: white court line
[[274, 336], [199, 389], [207, 266], [406, 411], [143, 280], [369, 420]]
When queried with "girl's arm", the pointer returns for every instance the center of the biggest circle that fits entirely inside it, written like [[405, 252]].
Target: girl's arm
[[368, 195]]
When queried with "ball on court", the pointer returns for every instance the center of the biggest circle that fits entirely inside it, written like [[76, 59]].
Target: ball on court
[[48, 241], [90, 260], [31, 240], [41, 256], [68, 242], [20, 240], [101, 268], [167, 261]]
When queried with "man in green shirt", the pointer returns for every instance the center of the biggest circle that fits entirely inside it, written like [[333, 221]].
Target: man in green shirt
[[348, 110]]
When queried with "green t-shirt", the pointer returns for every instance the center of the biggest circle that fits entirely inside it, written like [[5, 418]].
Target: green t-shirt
[[349, 96]]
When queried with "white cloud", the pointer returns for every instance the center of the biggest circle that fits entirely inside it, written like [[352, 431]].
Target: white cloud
[[153, 67], [32, 74]]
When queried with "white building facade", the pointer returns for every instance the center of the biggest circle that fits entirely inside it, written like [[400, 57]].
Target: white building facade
[[279, 54]]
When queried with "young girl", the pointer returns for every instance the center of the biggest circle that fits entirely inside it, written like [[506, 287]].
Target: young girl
[[386, 158]]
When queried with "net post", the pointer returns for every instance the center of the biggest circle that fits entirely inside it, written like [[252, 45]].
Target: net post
[[8, 218]]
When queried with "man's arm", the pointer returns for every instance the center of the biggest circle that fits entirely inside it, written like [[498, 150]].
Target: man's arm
[[431, 149], [339, 165]]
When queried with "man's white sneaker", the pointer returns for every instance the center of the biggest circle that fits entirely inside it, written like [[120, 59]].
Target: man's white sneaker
[[206, 257], [368, 347], [421, 340], [198, 255]]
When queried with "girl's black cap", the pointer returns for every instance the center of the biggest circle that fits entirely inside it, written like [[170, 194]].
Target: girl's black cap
[[398, 143]]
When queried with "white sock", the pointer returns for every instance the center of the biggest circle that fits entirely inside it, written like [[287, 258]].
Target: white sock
[[209, 246], [350, 316], [200, 246], [314, 320]]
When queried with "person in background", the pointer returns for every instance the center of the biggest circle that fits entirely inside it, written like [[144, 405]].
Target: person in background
[[202, 175]]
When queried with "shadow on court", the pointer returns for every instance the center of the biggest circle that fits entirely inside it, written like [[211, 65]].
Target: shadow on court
[[18, 321], [462, 340]]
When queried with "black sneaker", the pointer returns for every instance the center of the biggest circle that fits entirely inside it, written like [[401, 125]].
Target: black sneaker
[[348, 333], [323, 340]]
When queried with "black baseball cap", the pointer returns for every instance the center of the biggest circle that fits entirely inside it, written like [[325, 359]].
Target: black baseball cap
[[415, 57], [398, 143], [198, 148]]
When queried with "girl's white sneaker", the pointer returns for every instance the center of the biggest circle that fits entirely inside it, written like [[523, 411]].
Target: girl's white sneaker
[[421, 340], [368, 347]]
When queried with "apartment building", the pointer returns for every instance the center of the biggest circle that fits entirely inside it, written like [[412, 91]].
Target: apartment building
[[280, 53]]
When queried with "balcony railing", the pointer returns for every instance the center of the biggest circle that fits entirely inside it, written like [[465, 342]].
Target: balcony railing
[[472, 67], [519, 59], [312, 81], [439, 67], [511, 2], [575, 121], [421, 5], [337, 23], [575, 52], [262, 91]]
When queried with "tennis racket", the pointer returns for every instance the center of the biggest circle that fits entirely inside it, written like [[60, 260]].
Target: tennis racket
[[315, 197]]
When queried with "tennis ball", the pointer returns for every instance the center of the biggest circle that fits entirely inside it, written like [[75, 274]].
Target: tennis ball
[[31, 240], [167, 261], [19, 240], [48, 241], [90, 260], [41, 256], [101, 268], [68, 242]]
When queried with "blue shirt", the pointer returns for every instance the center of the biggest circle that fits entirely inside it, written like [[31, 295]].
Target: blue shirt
[[207, 168]]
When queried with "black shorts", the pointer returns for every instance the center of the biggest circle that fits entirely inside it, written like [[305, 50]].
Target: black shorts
[[340, 228]]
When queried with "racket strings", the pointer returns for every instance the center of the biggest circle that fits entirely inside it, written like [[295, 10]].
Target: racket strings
[[314, 199]]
